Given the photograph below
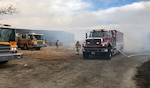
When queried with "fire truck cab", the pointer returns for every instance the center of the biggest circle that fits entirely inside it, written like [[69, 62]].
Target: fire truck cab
[[8, 44], [102, 41], [31, 40]]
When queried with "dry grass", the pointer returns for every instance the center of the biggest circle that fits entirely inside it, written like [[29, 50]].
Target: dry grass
[[49, 53]]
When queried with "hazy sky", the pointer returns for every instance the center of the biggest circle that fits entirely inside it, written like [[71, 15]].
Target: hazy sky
[[79, 16]]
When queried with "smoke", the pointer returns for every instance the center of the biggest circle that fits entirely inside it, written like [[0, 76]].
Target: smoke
[[136, 40]]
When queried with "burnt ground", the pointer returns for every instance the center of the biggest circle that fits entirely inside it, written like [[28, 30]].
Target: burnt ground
[[62, 68], [143, 75]]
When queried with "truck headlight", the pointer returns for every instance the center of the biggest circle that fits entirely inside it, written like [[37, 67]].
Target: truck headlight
[[104, 44], [13, 49], [43, 42], [88, 43], [35, 43]]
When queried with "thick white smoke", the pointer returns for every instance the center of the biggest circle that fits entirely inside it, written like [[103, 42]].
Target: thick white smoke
[[136, 40]]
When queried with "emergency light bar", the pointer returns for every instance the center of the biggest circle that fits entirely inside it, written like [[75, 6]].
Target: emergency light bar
[[100, 30]]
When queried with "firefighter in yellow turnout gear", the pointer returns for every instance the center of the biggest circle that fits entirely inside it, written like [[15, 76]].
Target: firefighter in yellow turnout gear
[[78, 47]]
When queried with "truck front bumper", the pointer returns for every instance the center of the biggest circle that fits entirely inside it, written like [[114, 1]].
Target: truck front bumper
[[6, 57], [100, 50], [39, 45], [95, 51]]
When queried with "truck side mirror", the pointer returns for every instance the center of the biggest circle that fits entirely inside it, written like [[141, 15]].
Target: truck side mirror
[[86, 35]]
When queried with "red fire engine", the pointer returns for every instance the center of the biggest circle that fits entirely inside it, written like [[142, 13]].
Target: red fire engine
[[102, 41]]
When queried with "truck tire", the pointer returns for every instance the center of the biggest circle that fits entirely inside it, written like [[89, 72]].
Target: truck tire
[[25, 47], [38, 48], [109, 54], [4, 62], [22, 48], [85, 55]]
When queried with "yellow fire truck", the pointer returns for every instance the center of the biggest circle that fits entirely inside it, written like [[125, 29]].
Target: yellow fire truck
[[30, 41], [8, 44]]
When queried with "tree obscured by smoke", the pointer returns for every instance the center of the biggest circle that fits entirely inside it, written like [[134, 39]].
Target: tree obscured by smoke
[[8, 10]]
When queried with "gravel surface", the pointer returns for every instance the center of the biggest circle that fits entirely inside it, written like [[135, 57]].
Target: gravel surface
[[62, 68]]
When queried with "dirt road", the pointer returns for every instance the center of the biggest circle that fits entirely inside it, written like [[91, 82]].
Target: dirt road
[[62, 68]]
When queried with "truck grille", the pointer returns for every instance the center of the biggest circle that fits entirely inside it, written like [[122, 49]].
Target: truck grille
[[4, 48], [93, 42], [92, 50], [40, 43]]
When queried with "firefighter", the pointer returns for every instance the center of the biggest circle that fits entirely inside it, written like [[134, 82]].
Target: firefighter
[[57, 44], [78, 47]]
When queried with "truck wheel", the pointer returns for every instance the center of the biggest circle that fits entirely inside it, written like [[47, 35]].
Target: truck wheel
[[109, 54], [25, 47], [4, 62], [37, 48], [85, 55]]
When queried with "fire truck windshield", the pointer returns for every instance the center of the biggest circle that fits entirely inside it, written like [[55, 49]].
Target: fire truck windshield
[[37, 37], [98, 34], [7, 34]]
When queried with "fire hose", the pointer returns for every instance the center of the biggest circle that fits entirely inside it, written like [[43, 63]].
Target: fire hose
[[132, 55]]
